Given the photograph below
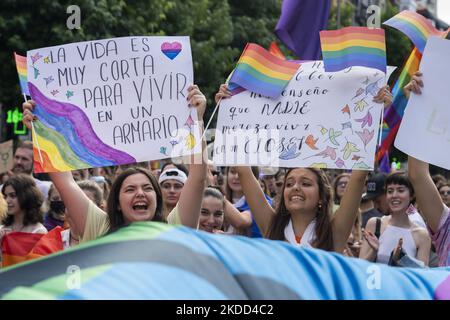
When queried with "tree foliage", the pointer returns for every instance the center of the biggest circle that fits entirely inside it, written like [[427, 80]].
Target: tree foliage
[[219, 30]]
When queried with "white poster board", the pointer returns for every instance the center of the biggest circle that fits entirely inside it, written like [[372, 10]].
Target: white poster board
[[424, 132], [325, 120], [111, 102]]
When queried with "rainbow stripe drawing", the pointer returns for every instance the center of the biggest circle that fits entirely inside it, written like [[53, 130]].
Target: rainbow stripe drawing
[[353, 46]]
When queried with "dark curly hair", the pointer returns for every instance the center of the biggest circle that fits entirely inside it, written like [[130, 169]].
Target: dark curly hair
[[29, 197]]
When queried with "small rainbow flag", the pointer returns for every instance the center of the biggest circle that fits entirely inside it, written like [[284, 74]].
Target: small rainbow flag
[[415, 26], [21, 64], [353, 46], [261, 72]]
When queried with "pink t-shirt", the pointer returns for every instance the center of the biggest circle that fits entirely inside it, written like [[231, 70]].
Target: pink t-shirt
[[441, 238]]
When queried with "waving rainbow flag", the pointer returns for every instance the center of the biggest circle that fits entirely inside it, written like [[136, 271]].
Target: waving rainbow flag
[[21, 64], [415, 26], [353, 46], [261, 72]]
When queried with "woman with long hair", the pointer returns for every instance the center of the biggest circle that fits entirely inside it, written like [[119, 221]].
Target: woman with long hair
[[304, 214], [135, 194]]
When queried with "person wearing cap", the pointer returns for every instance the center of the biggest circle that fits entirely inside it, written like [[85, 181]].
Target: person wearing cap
[[374, 192], [172, 182]]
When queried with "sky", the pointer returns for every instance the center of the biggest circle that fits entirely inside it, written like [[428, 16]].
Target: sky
[[443, 10]]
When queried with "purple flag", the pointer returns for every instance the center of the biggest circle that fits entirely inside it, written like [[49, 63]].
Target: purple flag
[[385, 166], [299, 26]]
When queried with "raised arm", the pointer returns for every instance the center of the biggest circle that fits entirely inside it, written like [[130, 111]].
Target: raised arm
[[261, 210], [345, 216], [74, 198], [189, 204], [237, 219], [427, 194]]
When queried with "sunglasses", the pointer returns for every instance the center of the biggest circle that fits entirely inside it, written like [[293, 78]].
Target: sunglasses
[[172, 173], [279, 184], [445, 193], [215, 172]]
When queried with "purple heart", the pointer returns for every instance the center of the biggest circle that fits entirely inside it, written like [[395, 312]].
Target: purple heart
[[171, 50]]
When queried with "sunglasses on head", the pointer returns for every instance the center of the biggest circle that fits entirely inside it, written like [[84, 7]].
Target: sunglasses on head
[[172, 173]]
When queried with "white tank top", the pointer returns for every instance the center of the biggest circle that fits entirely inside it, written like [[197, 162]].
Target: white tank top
[[389, 239]]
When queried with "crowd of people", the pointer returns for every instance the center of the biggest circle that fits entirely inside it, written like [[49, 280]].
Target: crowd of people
[[400, 219]]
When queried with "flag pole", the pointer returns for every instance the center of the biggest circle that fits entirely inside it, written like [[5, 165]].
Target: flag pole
[[34, 134]]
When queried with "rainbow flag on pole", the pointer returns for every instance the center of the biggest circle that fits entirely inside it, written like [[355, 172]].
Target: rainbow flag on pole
[[353, 46], [21, 64], [415, 26], [394, 113], [261, 72]]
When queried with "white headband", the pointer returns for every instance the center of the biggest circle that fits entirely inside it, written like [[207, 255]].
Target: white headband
[[173, 174]]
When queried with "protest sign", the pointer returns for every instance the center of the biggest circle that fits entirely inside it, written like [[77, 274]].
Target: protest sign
[[6, 156], [111, 102], [325, 120], [424, 132]]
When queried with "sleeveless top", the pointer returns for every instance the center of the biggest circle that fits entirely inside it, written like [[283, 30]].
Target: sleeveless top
[[388, 242]]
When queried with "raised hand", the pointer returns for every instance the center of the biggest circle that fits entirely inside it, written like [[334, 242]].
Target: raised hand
[[223, 93], [414, 85]]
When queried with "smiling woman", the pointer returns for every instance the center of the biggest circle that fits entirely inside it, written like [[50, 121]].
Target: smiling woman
[[397, 229]]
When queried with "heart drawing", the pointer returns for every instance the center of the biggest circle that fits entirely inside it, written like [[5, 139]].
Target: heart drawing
[[171, 50]]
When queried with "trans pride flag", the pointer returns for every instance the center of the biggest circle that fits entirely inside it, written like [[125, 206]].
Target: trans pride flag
[[150, 260]]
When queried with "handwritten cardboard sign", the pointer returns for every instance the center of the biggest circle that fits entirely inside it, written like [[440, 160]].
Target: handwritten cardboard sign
[[111, 102], [6, 156], [424, 132], [325, 120]]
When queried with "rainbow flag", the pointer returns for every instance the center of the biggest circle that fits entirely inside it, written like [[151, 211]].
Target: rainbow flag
[[21, 65], [394, 113], [415, 26], [275, 50], [18, 247], [353, 46], [150, 260], [261, 72]]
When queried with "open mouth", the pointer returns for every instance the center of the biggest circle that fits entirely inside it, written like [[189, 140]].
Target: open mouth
[[140, 206]]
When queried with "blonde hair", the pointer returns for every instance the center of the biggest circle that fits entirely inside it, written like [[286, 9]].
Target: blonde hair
[[3, 208]]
